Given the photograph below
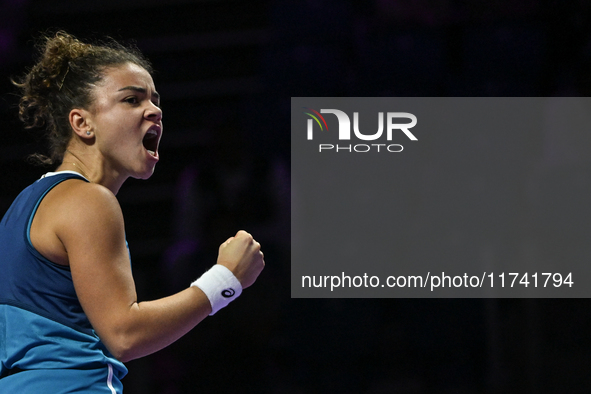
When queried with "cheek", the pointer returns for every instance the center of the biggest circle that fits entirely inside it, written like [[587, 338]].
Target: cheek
[[119, 130]]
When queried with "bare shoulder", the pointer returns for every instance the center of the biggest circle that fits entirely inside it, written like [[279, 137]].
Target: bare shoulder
[[83, 199], [88, 191], [75, 212], [85, 210]]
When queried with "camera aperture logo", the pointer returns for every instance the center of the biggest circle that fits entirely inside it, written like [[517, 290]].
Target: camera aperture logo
[[393, 126]]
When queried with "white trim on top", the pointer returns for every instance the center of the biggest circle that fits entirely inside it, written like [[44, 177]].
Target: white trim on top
[[63, 172]]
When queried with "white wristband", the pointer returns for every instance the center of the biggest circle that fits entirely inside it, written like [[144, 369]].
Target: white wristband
[[219, 285]]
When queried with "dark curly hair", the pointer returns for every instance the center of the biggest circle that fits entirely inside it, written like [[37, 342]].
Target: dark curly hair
[[62, 80]]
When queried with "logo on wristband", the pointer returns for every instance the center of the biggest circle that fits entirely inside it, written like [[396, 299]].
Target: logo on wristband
[[227, 293]]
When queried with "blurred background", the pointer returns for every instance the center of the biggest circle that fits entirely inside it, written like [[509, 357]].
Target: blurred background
[[226, 71]]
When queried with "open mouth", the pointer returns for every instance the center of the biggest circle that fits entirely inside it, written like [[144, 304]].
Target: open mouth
[[150, 142]]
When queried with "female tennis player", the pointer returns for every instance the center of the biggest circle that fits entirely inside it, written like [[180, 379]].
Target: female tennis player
[[69, 315]]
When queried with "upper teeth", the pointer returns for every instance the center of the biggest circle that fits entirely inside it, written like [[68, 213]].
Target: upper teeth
[[152, 132]]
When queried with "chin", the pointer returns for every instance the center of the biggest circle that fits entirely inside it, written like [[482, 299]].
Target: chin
[[145, 174]]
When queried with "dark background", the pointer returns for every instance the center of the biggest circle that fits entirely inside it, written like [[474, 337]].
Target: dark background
[[226, 71]]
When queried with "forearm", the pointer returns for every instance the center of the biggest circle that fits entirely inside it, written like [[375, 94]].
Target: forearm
[[152, 325]]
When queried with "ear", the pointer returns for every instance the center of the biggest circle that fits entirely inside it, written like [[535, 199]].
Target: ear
[[80, 121]]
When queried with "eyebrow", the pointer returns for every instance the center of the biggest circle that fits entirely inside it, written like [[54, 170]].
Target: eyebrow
[[139, 89]]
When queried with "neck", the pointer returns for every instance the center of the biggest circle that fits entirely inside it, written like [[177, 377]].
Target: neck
[[71, 159], [94, 174]]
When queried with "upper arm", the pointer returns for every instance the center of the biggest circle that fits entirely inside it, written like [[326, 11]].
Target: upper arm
[[91, 228]]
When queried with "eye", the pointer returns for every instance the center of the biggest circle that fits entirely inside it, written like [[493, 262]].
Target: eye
[[131, 100]]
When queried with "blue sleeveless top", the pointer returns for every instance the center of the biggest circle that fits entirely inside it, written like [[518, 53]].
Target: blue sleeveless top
[[42, 325]]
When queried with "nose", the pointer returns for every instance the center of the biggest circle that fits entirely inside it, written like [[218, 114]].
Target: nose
[[153, 112]]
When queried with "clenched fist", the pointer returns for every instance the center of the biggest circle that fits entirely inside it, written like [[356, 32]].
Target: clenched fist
[[242, 255]]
